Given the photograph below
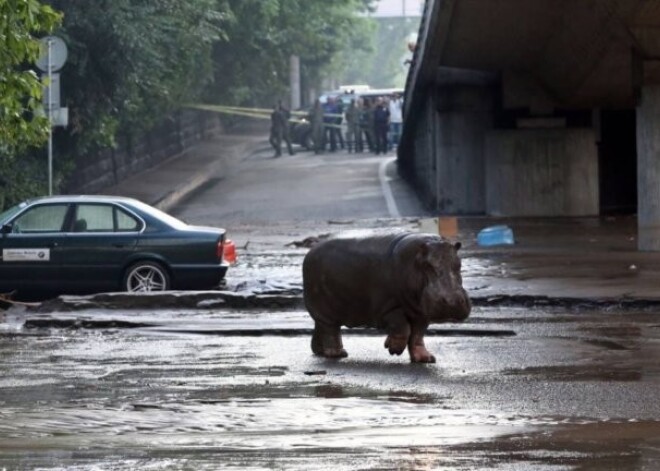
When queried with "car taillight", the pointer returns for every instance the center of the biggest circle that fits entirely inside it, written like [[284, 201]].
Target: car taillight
[[220, 250], [228, 251]]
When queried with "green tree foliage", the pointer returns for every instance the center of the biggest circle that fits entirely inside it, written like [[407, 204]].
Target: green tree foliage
[[131, 62], [252, 67], [20, 88], [21, 125], [384, 66]]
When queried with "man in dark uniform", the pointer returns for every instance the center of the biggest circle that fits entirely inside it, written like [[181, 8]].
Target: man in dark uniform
[[381, 125], [353, 134], [317, 127], [279, 129], [329, 121]]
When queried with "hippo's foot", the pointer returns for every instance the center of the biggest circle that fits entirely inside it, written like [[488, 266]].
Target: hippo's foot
[[328, 344], [396, 344], [419, 354], [332, 353]]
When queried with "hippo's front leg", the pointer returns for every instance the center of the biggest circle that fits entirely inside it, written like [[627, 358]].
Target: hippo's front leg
[[416, 347], [326, 341], [398, 331]]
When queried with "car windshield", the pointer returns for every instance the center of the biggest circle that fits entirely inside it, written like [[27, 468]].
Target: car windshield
[[160, 215], [8, 214]]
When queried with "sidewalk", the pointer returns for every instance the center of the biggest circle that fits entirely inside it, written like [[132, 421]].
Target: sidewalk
[[165, 185]]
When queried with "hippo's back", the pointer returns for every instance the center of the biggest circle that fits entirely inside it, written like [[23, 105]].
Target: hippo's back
[[347, 278]]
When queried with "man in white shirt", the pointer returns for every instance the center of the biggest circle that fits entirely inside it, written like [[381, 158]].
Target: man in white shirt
[[396, 120]]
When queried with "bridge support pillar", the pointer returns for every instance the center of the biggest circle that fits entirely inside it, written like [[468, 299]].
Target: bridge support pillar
[[648, 169], [460, 123]]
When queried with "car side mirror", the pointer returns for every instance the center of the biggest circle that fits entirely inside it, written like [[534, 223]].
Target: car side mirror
[[6, 229]]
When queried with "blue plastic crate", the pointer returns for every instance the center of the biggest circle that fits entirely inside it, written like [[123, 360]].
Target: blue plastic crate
[[495, 235]]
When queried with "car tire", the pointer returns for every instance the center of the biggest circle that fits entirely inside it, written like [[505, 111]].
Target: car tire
[[308, 142], [146, 276]]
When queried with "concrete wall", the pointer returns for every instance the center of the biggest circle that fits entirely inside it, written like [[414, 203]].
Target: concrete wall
[[175, 135], [648, 169], [459, 164], [423, 168], [448, 170], [549, 172], [463, 118]]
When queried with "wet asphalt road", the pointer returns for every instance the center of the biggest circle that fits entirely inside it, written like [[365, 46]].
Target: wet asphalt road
[[520, 388], [570, 390]]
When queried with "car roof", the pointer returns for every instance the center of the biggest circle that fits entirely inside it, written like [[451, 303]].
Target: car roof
[[346, 97], [143, 209], [81, 198]]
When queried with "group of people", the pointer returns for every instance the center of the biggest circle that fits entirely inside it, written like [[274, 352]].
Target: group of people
[[372, 124]]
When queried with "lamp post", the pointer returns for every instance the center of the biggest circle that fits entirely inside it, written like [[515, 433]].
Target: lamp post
[[50, 117]]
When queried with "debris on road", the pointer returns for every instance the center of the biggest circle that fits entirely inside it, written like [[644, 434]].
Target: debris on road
[[309, 242]]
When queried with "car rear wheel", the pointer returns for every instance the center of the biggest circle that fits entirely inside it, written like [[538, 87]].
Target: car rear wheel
[[309, 142], [146, 276]]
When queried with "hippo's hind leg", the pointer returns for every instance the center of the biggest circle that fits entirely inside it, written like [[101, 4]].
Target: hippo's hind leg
[[326, 341], [398, 331]]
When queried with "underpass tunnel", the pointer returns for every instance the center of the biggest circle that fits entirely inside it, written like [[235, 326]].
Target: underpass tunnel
[[537, 109], [617, 161]]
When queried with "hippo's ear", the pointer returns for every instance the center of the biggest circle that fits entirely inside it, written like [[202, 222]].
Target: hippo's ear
[[458, 246], [422, 253]]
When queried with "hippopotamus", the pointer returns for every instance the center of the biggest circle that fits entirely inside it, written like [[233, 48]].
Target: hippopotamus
[[398, 282]]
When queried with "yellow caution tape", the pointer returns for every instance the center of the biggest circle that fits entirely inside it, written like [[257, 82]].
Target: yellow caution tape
[[260, 113]]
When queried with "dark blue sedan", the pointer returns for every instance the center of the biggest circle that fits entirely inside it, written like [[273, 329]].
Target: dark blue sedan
[[83, 244]]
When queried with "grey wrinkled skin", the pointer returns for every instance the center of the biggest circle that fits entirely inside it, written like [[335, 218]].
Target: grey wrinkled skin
[[398, 282]]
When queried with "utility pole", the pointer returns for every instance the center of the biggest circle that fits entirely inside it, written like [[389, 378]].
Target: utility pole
[[50, 117], [53, 56], [294, 80]]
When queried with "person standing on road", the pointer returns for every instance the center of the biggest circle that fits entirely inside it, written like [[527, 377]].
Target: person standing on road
[[317, 127], [352, 126], [359, 132], [381, 125], [396, 121], [367, 124], [286, 131], [339, 111], [275, 138], [329, 120], [279, 130]]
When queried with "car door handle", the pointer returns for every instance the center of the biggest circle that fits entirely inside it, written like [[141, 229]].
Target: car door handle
[[52, 245], [119, 246]]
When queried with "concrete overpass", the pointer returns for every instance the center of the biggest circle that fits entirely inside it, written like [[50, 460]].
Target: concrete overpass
[[537, 108]]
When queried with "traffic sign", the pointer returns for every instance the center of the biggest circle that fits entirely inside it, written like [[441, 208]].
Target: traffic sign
[[58, 53]]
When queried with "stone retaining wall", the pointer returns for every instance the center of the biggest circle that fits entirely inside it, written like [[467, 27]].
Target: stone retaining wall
[[177, 134]]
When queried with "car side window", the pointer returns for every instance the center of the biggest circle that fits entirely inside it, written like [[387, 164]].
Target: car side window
[[41, 219], [126, 222], [103, 218], [94, 218]]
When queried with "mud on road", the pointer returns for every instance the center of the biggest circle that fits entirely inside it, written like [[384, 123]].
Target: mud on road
[[207, 381]]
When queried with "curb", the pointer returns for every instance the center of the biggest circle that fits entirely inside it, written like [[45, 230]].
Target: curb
[[173, 198], [204, 175], [293, 299]]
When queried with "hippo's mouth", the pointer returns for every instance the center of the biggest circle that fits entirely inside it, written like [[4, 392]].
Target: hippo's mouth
[[455, 311]]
